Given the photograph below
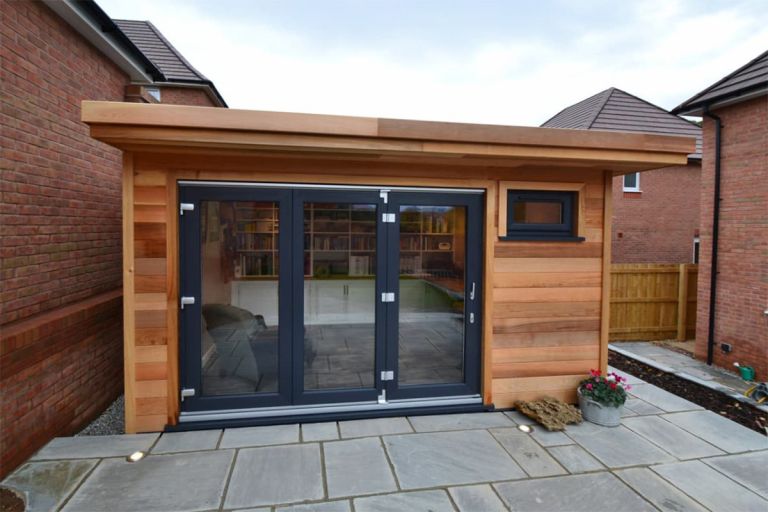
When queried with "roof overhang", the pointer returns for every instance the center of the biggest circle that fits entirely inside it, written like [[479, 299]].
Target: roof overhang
[[91, 23], [172, 128], [696, 108]]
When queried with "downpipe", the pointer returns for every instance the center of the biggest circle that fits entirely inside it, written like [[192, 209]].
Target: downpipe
[[715, 236]]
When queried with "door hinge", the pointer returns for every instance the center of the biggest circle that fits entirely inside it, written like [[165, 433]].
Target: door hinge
[[388, 297], [388, 218], [187, 392], [384, 194], [387, 375], [186, 207], [186, 301], [383, 397]]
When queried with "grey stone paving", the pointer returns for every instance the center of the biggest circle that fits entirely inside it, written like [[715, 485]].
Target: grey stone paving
[[87, 447], [710, 488], [662, 399], [671, 461], [575, 493], [721, 432], [192, 441], [476, 498], [157, 484], [346, 461], [449, 458]]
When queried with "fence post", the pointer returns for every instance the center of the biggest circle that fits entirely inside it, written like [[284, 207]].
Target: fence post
[[682, 302]]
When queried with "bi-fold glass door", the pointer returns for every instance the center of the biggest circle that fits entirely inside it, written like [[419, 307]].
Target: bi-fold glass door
[[295, 297]]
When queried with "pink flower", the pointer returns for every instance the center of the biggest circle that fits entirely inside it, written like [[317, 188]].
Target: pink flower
[[589, 387]]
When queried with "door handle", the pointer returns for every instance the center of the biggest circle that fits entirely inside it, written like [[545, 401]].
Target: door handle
[[472, 292]]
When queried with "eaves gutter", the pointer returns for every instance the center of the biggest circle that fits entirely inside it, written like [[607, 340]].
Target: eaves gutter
[[699, 108], [87, 18]]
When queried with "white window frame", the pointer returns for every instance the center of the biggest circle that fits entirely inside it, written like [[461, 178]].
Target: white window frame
[[636, 188]]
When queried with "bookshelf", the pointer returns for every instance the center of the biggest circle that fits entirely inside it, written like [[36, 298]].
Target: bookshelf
[[427, 240], [255, 238], [339, 240]]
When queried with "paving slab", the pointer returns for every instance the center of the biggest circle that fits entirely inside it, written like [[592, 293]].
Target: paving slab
[[641, 407], [46, 485], [374, 427], [448, 422], [550, 438], [356, 467], [710, 488], [422, 501], [671, 438], [95, 447], [449, 458], [574, 493], [319, 431], [260, 436], [619, 447], [662, 399], [274, 475], [192, 441], [749, 469], [476, 498], [575, 459], [158, 483], [519, 418], [327, 506], [658, 491], [527, 453], [719, 431]]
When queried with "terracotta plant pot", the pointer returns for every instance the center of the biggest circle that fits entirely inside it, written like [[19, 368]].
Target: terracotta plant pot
[[600, 414]]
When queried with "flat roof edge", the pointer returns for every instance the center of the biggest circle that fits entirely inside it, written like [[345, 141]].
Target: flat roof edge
[[97, 113]]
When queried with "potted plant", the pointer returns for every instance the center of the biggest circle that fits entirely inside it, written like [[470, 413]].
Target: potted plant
[[602, 397]]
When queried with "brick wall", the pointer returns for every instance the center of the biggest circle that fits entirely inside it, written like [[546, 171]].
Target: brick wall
[[185, 96], [657, 224], [60, 235], [742, 283]]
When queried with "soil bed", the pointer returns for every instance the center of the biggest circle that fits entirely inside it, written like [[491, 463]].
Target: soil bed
[[710, 399], [10, 501]]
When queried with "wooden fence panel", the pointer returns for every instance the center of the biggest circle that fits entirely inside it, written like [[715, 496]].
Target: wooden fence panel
[[653, 301]]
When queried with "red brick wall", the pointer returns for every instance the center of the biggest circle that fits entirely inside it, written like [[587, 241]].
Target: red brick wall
[[60, 235], [658, 224], [185, 96], [742, 283]]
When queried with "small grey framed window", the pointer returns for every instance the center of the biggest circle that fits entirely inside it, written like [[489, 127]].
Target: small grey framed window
[[541, 215]]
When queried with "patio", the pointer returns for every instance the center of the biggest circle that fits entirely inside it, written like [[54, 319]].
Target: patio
[[669, 454]]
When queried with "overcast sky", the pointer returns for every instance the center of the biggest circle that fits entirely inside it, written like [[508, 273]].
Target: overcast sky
[[504, 62]]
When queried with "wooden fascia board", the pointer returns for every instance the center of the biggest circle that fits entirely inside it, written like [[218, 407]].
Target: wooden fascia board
[[232, 120]]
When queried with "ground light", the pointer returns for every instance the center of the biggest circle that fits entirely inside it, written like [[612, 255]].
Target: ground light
[[525, 428], [135, 456]]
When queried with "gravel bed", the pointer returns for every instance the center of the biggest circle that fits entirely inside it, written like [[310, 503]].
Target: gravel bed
[[111, 421]]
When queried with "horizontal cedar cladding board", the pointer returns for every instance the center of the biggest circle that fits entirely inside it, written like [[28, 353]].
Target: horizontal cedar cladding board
[[150, 284], [151, 354], [150, 266], [563, 387], [544, 368], [546, 309], [152, 248], [151, 371], [151, 336], [511, 325], [150, 423], [548, 250], [149, 196], [577, 294], [154, 319], [534, 354], [152, 406], [545, 339], [149, 231], [149, 213], [526, 265], [547, 280]]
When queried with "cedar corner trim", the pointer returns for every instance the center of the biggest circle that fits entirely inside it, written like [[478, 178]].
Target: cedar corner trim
[[544, 304]]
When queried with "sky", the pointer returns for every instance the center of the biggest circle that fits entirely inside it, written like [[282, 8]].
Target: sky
[[507, 62]]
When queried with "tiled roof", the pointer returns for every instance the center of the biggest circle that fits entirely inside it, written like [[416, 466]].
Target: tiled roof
[[748, 79], [159, 51], [616, 110]]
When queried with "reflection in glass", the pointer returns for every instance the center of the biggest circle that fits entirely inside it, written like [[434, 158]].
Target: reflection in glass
[[432, 264], [339, 295], [538, 212], [239, 254]]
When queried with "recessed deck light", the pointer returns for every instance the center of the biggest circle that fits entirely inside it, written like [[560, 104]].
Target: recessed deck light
[[525, 428], [135, 456]]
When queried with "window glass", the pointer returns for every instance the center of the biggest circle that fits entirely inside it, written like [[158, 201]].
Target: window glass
[[537, 212], [632, 181], [541, 215]]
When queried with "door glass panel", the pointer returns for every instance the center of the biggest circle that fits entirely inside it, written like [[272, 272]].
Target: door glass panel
[[431, 310], [339, 295], [239, 254]]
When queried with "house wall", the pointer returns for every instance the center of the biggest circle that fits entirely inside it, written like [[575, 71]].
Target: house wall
[[185, 96], [742, 282], [544, 322], [60, 233], [657, 224]]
